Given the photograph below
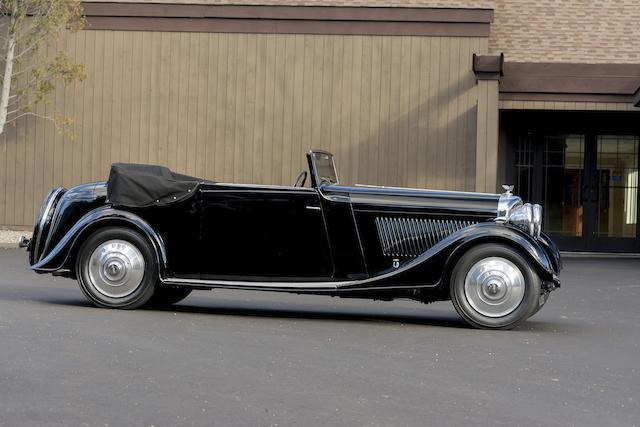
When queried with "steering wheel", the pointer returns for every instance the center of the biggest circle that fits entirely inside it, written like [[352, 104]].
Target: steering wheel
[[300, 179]]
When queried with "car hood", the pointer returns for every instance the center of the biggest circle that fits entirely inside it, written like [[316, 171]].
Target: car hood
[[485, 204]]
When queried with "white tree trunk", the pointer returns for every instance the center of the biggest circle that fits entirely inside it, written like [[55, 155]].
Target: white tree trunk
[[6, 80]]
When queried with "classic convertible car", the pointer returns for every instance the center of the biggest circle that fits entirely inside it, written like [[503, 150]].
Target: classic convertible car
[[151, 236]]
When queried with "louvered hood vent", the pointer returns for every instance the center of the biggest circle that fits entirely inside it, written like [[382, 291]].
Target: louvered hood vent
[[410, 237]]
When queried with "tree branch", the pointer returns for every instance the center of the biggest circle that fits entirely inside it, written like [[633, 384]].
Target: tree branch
[[17, 99], [25, 69], [30, 113], [33, 45], [31, 73]]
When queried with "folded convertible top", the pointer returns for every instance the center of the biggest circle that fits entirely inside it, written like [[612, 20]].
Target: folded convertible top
[[135, 185]]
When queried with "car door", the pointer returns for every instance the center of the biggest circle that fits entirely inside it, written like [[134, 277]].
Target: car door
[[263, 233]]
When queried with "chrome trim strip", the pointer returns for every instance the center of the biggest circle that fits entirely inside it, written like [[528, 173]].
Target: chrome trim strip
[[338, 198], [255, 285], [256, 187], [412, 200], [447, 192], [286, 286]]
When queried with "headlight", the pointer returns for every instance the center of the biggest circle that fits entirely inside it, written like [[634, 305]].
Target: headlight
[[537, 220], [528, 218]]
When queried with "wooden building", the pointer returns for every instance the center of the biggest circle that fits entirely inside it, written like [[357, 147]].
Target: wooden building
[[413, 95]]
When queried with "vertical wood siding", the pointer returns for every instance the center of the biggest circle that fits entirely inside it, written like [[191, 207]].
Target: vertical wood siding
[[395, 111]]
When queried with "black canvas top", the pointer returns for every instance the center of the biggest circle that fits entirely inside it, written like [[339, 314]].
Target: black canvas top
[[135, 185]]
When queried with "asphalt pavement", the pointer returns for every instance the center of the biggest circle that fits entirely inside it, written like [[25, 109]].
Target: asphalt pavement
[[239, 358]]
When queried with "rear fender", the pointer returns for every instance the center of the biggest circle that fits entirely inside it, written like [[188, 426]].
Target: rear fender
[[59, 257]]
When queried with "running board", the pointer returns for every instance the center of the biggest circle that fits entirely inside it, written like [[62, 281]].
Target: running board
[[295, 287], [271, 286]]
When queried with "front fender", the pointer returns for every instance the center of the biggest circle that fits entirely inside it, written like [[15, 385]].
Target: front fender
[[59, 257], [512, 236], [430, 268]]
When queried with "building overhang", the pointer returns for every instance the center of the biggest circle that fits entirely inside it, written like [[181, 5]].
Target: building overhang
[[270, 19], [618, 83]]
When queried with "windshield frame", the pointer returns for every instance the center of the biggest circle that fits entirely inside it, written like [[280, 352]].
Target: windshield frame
[[316, 179]]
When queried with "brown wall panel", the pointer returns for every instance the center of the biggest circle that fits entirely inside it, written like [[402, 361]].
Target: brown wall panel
[[565, 105], [395, 110]]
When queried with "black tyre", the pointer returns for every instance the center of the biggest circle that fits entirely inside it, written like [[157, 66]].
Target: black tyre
[[116, 268], [494, 287], [165, 296]]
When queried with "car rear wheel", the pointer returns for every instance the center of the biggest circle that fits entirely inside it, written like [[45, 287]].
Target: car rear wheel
[[494, 287], [168, 295], [116, 268]]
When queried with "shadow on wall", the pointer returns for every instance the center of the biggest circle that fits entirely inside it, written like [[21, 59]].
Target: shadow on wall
[[430, 146], [394, 110]]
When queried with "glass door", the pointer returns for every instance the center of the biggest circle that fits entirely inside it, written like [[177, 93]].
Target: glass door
[[615, 210], [550, 170], [586, 182], [562, 181]]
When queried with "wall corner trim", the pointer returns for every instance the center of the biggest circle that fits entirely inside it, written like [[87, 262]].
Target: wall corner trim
[[487, 136]]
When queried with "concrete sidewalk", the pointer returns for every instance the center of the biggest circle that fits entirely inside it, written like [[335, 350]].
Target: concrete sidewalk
[[10, 238]]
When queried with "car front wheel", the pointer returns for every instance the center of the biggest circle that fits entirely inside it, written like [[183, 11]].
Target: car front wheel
[[116, 268], [494, 287]]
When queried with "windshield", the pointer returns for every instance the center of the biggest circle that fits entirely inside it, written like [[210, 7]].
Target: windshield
[[325, 167]]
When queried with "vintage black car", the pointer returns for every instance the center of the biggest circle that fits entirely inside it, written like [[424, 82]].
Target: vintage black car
[[151, 236]]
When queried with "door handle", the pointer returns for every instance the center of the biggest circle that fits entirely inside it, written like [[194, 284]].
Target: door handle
[[312, 208]]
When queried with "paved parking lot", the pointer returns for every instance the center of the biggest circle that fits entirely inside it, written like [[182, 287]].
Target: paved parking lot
[[232, 358]]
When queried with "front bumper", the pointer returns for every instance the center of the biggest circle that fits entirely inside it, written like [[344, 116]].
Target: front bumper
[[25, 243], [552, 284]]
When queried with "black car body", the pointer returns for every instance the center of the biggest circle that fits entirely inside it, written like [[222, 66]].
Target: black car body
[[348, 241]]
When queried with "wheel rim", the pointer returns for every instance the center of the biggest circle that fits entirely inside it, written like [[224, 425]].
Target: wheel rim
[[494, 287], [116, 268]]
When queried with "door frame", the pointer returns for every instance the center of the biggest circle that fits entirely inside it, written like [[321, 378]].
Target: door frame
[[587, 123], [307, 204]]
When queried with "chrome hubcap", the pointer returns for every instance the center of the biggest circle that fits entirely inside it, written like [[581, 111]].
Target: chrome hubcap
[[116, 268], [494, 287]]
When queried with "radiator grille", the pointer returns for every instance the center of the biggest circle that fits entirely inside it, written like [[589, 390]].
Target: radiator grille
[[409, 237]]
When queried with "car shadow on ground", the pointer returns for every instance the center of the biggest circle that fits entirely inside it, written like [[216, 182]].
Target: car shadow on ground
[[316, 313], [272, 310]]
